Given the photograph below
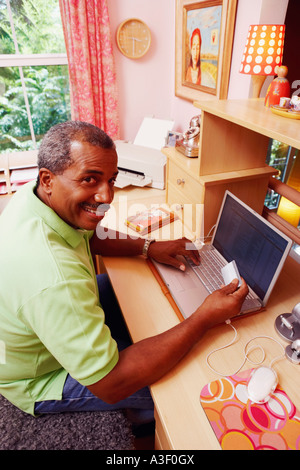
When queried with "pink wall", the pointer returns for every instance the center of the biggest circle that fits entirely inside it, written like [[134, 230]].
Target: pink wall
[[251, 12], [146, 86]]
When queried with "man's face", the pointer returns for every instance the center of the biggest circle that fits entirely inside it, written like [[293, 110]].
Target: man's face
[[80, 193]]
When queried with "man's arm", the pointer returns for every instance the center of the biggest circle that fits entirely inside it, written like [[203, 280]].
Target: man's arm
[[112, 243], [148, 360], [115, 244]]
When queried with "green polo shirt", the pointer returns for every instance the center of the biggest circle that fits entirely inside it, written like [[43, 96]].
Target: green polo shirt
[[51, 321]]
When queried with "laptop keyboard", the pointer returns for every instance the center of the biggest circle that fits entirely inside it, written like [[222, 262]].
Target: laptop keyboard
[[209, 271]]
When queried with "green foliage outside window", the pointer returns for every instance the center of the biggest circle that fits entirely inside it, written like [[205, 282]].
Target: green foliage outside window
[[48, 97], [277, 157], [38, 31], [37, 24]]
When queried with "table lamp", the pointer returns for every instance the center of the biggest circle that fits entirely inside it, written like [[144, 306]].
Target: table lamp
[[263, 53]]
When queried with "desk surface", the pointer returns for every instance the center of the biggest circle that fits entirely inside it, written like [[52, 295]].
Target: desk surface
[[147, 312]]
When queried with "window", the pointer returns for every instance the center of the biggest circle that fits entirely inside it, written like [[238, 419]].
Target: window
[[279, 157], [286, 160], [34, 81]]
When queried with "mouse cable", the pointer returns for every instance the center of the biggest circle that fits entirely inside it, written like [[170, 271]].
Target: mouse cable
[[246, 351]]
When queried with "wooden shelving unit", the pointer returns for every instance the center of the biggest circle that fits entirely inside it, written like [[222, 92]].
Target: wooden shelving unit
[[233, 146]]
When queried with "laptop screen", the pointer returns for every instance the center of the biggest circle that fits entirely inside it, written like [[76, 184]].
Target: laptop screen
[[255, 245]]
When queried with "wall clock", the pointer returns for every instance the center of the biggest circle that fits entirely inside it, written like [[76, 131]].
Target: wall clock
[[133, 38]]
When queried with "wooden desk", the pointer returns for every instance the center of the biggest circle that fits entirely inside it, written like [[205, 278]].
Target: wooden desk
[[181, 423]]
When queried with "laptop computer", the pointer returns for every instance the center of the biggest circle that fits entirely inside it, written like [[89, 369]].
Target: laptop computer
[[258, 248]]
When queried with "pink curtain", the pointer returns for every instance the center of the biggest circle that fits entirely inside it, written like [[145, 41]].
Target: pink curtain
[[91, 63]]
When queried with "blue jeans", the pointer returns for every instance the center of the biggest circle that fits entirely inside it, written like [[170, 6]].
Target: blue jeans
[[76, 397]]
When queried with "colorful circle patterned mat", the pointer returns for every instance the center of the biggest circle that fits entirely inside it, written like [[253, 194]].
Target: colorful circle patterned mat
[[240, 424]]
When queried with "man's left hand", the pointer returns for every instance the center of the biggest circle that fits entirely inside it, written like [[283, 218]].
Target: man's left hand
[[166, 252]]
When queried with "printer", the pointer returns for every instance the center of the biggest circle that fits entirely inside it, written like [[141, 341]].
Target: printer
[[142, 163], [140, 166]]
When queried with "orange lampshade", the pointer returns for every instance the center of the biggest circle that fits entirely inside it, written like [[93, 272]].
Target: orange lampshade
[[263, 50]]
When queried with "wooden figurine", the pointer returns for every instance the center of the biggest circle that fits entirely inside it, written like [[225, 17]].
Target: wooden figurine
[[278, 88]]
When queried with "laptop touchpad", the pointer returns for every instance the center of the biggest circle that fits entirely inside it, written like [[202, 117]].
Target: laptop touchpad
[[182, 282]]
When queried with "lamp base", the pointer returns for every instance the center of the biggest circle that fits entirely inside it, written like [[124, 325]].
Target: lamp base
[[257, 82]]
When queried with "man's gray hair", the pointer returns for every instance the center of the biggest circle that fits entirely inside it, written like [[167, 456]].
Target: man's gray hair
[[55, 149]]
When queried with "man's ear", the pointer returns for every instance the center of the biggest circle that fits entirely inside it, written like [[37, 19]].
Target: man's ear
[[46, 180]]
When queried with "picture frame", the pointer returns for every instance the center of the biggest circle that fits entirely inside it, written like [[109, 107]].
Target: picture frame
[[172, 137], [203, 48]]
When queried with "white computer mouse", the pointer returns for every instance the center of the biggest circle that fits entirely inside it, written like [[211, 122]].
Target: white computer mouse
[[262, 383]]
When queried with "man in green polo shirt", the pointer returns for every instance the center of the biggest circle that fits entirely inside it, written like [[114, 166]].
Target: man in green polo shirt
[[60, 355]]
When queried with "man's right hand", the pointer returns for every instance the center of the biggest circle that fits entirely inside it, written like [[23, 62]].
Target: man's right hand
[[223, 303]]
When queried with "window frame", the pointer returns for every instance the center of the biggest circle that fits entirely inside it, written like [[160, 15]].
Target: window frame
[[23, 159], [27, 60]]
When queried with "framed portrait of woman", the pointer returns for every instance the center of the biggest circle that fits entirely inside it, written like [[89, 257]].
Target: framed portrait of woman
[[204, 35]]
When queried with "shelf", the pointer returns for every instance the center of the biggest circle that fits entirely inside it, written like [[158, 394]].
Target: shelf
[[191, 166], [253, 115], [241, 175]]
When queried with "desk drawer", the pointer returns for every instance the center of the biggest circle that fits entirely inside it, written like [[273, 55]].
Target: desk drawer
[[189, 189], [192, 212]]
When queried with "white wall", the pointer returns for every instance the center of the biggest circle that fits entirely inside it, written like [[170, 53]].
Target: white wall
[[147, 86]]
